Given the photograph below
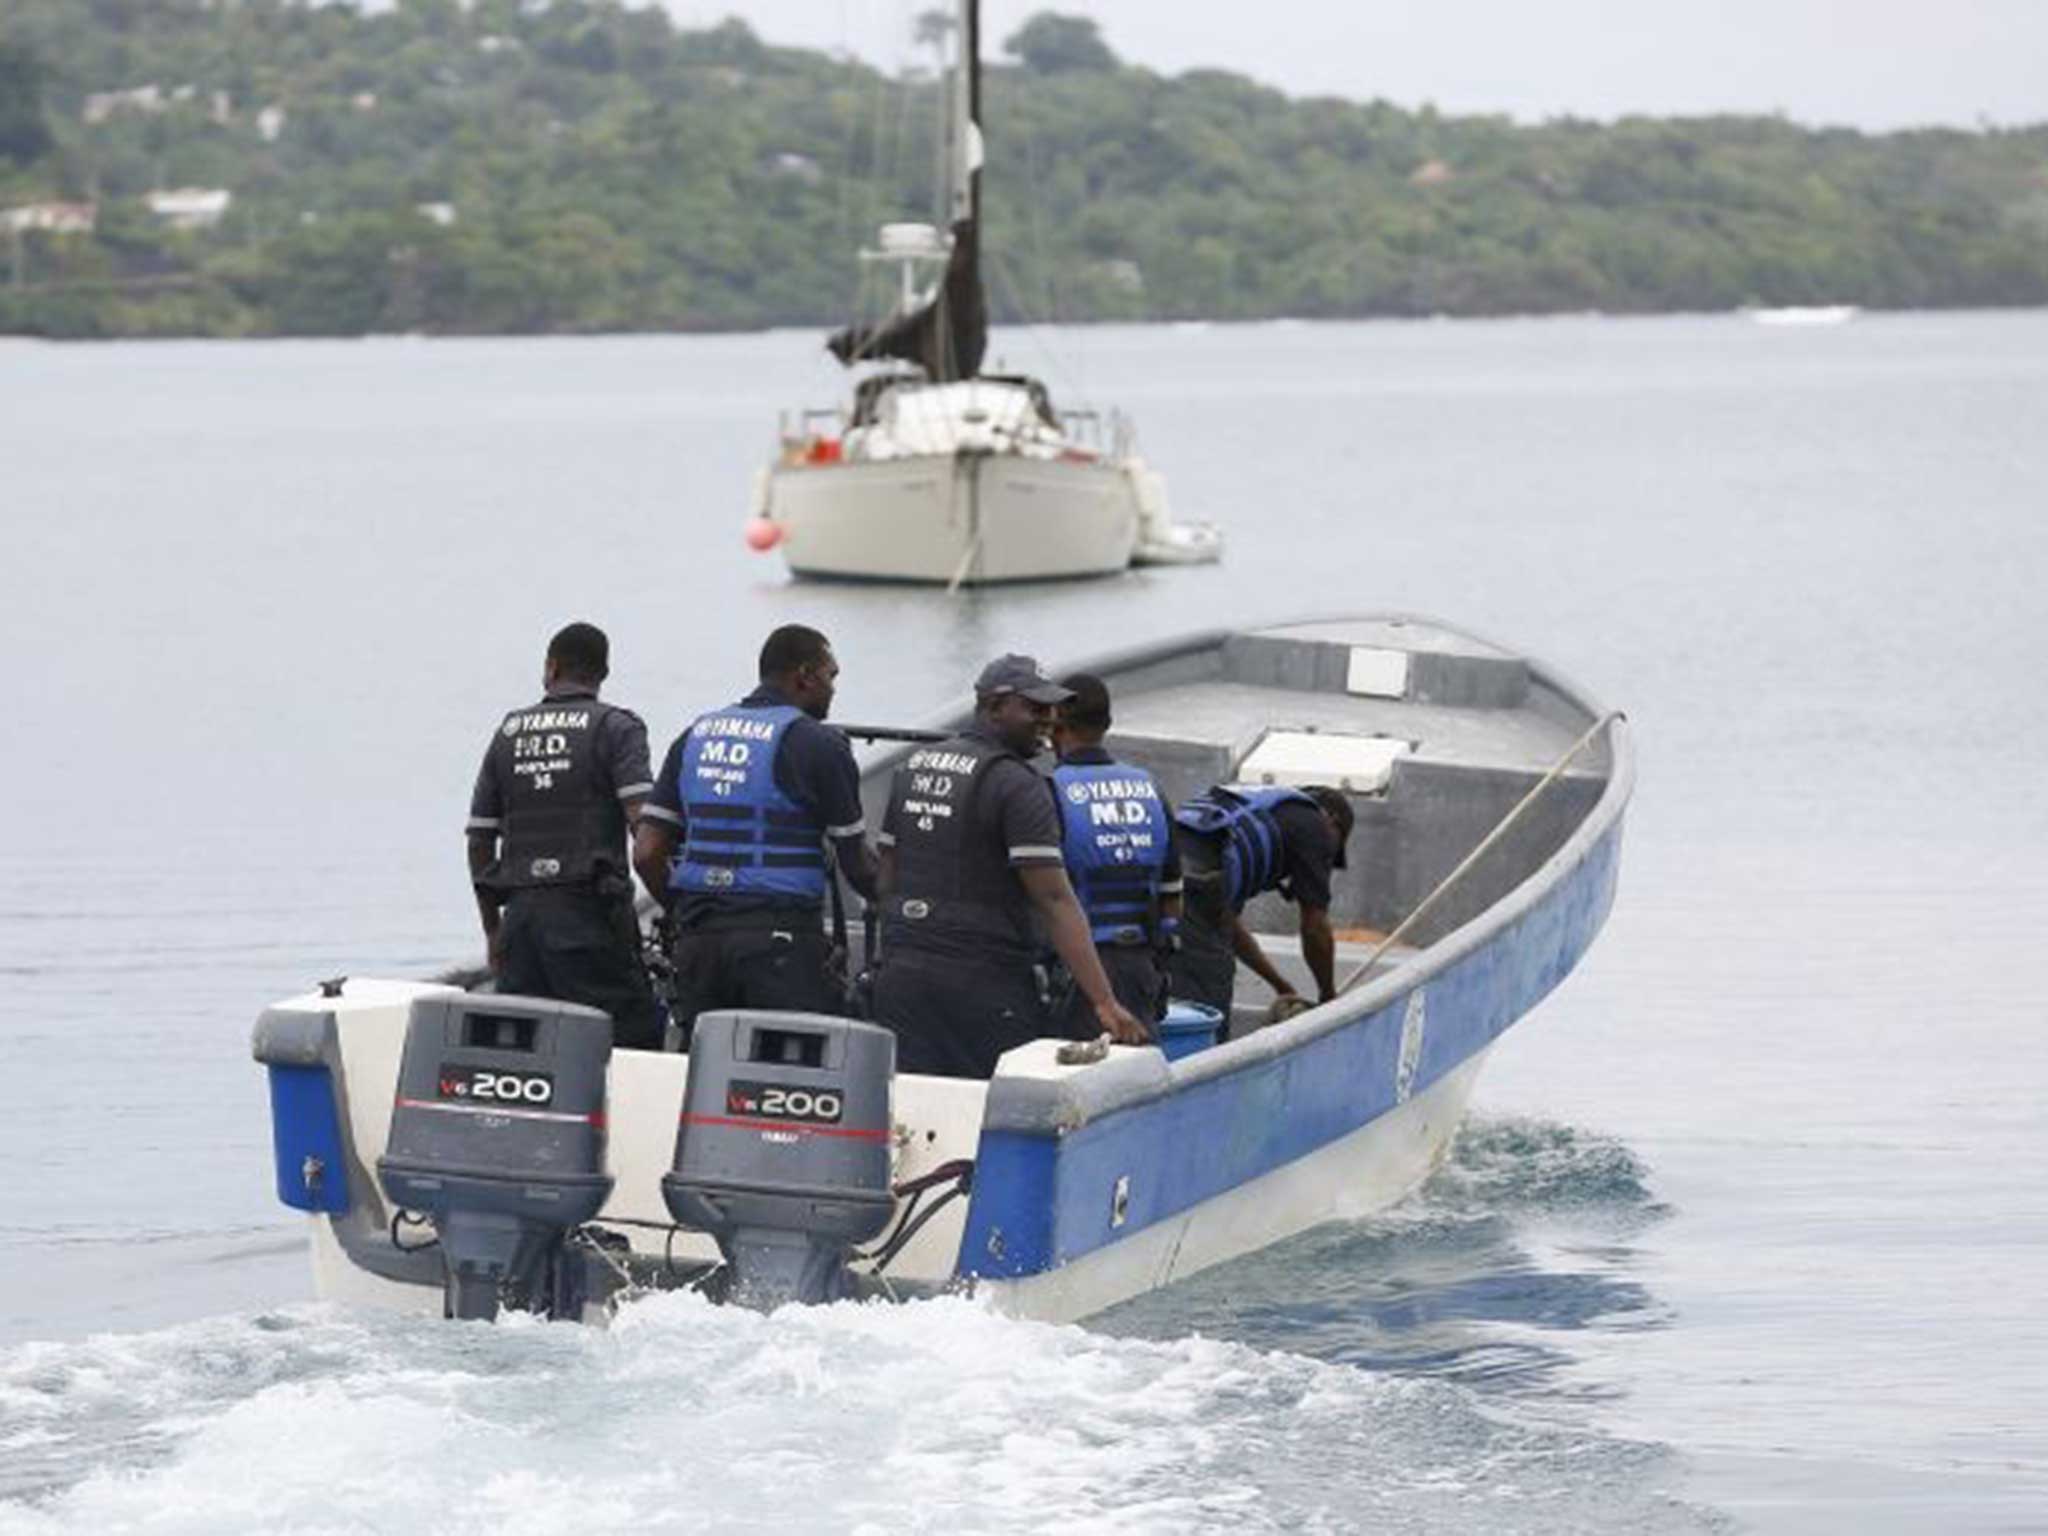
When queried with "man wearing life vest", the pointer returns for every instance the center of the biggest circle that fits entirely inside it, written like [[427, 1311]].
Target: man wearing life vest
[[752, 794], [1118, 841], [562, 781], [974, 885], [1240, 841]]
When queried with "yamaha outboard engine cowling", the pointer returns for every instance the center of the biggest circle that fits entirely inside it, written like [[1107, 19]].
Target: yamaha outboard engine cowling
[[783, 1151], [498, 1135]]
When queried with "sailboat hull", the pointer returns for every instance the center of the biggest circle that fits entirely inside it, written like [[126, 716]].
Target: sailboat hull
[[973, 519]]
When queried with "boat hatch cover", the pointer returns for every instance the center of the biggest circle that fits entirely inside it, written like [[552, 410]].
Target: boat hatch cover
[[1377, 673], [1360, 765]]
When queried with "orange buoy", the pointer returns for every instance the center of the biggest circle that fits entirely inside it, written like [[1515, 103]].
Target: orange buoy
[[763, 534]]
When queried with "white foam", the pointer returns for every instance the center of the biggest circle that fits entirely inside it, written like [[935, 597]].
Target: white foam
[[937, 1415]]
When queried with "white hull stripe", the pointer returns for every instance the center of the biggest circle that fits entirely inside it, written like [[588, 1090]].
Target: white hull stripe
[[555, 1116]]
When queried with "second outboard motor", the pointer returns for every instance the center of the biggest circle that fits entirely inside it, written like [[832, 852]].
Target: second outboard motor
[[783, 1151], [498, 1135]]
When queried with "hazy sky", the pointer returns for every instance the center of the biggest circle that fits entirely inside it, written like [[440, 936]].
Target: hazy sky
[[1871, 63]]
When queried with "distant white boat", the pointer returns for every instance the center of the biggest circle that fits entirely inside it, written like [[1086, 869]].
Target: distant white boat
[[1804, 314], [939, 472]]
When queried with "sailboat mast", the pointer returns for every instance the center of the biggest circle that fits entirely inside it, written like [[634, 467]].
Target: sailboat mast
[[964, 127], [948, 335]]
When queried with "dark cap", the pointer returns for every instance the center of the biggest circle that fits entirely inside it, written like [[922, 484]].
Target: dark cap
[[1338, 805], [1019, 674]]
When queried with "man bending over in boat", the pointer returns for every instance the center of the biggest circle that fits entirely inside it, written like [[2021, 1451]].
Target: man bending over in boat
[[1238, 842]]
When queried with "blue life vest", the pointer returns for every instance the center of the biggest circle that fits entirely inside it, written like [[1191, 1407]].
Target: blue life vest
[[742, 835], [1115, 838], [1242, 816]]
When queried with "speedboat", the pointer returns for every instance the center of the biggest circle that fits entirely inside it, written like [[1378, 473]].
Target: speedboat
[[456, 1151], [940, 472]]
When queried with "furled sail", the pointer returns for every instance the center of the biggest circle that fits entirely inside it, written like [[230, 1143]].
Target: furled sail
[[947, 335]]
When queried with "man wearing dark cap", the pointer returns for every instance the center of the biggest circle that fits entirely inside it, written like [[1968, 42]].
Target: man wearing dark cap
[[1117, 836], [560, 785], [732, 841], [1240, 841], [973, 884]]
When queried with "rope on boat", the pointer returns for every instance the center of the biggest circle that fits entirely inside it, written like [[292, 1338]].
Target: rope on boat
[[1486, 843]]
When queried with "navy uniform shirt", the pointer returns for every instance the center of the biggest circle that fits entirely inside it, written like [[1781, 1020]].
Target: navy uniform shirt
[[814, 767], [1100, 757], [618, 753], [1015, 820], [1308, 852]]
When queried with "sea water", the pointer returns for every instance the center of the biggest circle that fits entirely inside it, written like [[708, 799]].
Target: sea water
[[1748, 1228]]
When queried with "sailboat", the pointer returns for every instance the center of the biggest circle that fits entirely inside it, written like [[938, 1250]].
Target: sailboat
[[938, 471]]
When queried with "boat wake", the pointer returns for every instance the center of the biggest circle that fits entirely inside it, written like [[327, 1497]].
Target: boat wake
[[934, 1415], [1522, 1239]]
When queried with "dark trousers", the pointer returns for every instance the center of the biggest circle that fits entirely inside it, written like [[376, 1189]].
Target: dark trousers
[[1135, 977], [572, 944], [1205, 968], [953, 1017], [753, 967]]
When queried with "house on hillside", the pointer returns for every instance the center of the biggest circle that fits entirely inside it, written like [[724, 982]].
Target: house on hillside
[[101, 105], [51, 218], [190, 207]]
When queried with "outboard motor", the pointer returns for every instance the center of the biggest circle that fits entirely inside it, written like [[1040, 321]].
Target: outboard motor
[[783, 1151], [498, 1136]]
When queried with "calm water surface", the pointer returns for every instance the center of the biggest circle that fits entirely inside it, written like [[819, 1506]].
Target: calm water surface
[[1749, 1229]]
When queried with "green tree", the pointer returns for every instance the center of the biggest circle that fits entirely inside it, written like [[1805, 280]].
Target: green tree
[[1052, 44], [24, 130]]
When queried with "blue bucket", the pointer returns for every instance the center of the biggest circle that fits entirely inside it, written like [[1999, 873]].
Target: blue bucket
[[1188, 1028]]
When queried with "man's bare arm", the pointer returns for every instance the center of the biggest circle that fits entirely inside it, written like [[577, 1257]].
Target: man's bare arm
[[857, 862], [1319, 949], [1245, 944], [654, 844], [1053, 895], [483, 850]]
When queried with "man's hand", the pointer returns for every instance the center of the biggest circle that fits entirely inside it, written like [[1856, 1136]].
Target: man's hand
[[1123, 1025], [1286, 1005]]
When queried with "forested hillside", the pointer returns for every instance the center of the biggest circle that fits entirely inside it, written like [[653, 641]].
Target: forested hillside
[[583, 165]]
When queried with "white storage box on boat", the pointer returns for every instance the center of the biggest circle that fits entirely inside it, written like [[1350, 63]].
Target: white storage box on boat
[[1359, 765]]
